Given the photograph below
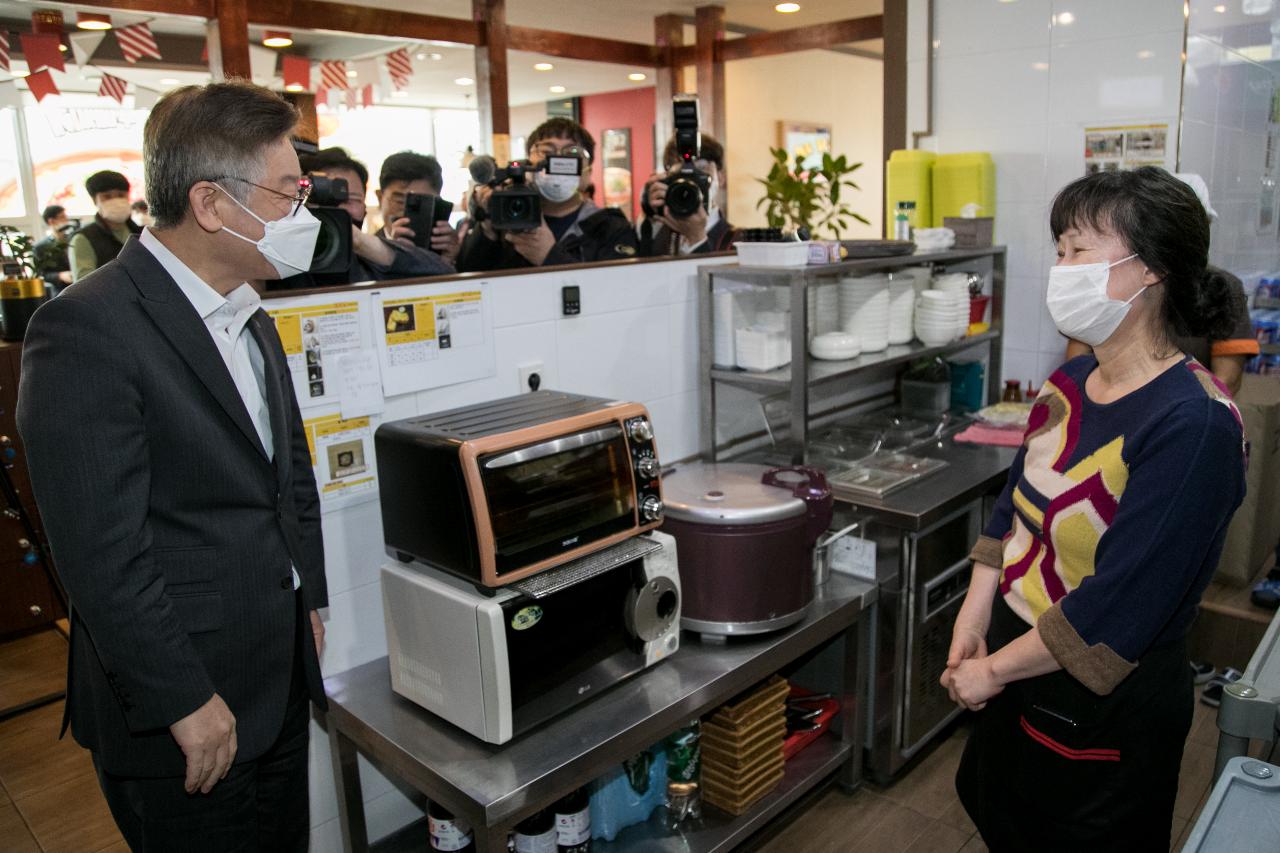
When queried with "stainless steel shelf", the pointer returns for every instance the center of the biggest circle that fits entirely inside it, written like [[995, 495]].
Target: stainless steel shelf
[[819, 371], [817, 272]]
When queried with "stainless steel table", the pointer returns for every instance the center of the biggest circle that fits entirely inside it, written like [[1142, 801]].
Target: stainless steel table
[[495, 787]]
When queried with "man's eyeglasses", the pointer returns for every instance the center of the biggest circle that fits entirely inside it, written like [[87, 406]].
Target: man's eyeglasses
[[546, 149], [304, 190]]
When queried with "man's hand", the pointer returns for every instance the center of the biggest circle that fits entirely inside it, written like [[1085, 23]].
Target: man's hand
[[656, 190], [482, 193], [398, 231], [972, 683], [533, 245], [65, 276], [369, 247], [692, 228], [317, 631], [207, 737], [446, 242]]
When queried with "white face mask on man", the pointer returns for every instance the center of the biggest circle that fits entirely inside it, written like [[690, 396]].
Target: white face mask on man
[[1079, 304], [287, 243], [115, 210]]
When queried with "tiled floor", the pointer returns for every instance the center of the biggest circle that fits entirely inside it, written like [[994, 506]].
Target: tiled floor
[[50, 801]]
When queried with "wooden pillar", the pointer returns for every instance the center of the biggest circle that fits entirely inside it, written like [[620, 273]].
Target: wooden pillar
[[668, 32], [709, 22], [491, 76], [232, 56], [895, 78]]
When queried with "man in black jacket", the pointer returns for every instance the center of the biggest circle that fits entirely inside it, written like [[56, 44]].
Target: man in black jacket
[[169, 462], [50, 251], [104, 237], [573, 229], [706, 229]]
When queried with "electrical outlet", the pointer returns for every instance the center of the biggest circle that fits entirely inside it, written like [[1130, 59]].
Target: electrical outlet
[[528, 370]]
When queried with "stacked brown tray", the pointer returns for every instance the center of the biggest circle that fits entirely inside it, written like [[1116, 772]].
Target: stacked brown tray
[[742, 748]]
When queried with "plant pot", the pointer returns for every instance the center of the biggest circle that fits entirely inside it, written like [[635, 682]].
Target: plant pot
[[19, 299]]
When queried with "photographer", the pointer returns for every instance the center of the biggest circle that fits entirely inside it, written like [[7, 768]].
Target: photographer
[[573, 230], [408, 172], [374, 257], [51, 250], [662, 231]]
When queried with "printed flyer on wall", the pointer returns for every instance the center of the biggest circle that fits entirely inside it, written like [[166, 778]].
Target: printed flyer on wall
[[343, 457], [315, 332], [433, 335], [1125, 147]]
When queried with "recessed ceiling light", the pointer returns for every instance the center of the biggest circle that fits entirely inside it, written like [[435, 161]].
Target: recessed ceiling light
[[787, 8], [277, 38], [1220, 9], [351, 72], [1040, 66], [400, 93], [637, 77], [464, 81], [421, 57], [557, 90], [294, 87], [436, 57], [543, 66], [169, 81], [62, 47], [93, 21], [1065, 19], [1145, 54]]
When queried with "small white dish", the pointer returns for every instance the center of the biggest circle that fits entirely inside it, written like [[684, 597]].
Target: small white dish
[[835, 346]]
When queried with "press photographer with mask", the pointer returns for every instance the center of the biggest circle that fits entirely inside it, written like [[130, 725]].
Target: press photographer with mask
[[420, 174], [572, 230], [375, 257], [104, 237], [705, 229]]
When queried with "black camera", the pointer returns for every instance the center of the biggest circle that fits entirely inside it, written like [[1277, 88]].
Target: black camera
[[514, 205], [690, 187], [332, 259]]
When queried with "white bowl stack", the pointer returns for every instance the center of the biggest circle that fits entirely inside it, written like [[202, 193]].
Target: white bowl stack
[[902, 307], [760, 350], [864, 310], [957, 286], [935, 322], [824, 309]]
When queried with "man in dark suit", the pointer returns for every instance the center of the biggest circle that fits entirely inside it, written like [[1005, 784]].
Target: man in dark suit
[[169, 462]]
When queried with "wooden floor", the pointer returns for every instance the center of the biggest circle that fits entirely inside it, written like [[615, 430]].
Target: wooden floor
[[50, 800]]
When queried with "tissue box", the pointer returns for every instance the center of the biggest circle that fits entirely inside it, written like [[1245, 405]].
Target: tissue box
[[976, 233]]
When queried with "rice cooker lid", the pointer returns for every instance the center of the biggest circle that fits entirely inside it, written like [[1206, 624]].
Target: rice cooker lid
[[728, 493]]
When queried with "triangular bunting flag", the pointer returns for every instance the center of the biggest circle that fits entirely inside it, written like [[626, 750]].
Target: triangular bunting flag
[[144, 99], [399, 67], [352, 99], [41, 51], [9, 94], [85, 45], [368, 71], [333, 74], [136, 41], [366, 95], [297, 72], [112, 87], [262, 64], [41, 84], [4, 50]]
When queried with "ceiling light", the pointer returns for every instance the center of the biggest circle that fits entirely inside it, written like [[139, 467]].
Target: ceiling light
[[93, 21], [352, 72], [400, 93], [169, 81], [1040, 66], [636, 77], [464, 81], [557, 90], [1065, 19], [62, 47], [436, 57], [787, 8], [1220, 9], [294, 87], [277, 38], [542, 66], [1145, 54]]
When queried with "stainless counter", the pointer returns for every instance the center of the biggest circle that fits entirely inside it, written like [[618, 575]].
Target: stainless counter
[[494, 787]]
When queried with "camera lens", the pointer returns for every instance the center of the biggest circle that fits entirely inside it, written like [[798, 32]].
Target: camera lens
[[683, 197], [517, 208]]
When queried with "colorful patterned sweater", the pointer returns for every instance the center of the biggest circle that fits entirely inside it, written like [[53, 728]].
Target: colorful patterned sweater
[[1114, 515]]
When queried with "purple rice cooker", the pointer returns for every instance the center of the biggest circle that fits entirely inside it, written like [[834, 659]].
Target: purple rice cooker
[[744, 543]]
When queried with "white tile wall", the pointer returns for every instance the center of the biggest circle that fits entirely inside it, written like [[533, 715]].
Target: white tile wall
[[1092, 20], [966, 27]]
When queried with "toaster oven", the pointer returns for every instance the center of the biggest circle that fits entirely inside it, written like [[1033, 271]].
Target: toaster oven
[[499, 491]]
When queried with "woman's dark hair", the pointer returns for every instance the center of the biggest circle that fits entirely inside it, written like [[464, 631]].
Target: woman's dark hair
[[1158, 217]]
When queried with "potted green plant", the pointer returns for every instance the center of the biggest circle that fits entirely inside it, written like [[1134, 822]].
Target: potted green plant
[[22, 290], [809, 198]]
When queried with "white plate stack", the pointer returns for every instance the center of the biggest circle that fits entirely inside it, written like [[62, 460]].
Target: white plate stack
[[935, 320], [864, 310], [957, 286], [902, 306], [824, 309]]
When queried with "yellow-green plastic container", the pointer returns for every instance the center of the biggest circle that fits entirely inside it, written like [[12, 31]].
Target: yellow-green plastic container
[[908, 177], [960, 180]]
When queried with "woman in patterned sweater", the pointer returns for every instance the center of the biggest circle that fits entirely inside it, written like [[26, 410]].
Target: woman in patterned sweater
[[1071, 643]]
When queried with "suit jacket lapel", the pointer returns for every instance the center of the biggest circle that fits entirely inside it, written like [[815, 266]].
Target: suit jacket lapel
[[274, 365], [177, 320]]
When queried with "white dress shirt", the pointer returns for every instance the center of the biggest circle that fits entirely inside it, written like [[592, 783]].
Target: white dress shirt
[[226, 318]]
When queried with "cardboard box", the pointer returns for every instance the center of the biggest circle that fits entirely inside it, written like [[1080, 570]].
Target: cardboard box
[[976, 233], [1255, 528]]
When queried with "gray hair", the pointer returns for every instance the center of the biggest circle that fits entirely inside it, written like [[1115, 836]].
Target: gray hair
[[201, 133]]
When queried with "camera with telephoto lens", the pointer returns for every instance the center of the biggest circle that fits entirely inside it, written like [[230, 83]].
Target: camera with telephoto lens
[[690, 187], [333, 255], [514, 204]]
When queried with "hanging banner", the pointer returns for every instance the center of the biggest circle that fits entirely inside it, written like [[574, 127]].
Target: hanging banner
[[41, 84], [4, 50], [333, 74], [136, 41], [112, 87], [41, 51], [84, 46], [399, 67], [297, 72]]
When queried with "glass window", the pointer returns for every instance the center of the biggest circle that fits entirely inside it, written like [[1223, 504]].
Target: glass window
[[79, 136], [373, 134], [455, 130], [12, 203]]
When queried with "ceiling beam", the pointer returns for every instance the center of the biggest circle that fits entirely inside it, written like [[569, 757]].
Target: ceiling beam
[[813, 37], [361, 20], [188, 8], [589, 48]]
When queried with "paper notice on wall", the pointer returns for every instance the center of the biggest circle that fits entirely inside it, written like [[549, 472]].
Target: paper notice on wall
[[433, 335], [1125, 147], [360, 384], [343, 457], [316, 332]]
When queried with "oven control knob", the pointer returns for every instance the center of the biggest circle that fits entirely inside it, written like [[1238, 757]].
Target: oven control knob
[[641, 430], [651, 508], [648, 467]]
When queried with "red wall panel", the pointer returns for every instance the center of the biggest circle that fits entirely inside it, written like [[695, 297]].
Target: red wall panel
[[631, 108]]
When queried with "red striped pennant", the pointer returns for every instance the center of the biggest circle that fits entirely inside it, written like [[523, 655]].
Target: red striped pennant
[[112, 87], [4, 50], [136, 41], [400, 67], [333, 74], [366, 96]]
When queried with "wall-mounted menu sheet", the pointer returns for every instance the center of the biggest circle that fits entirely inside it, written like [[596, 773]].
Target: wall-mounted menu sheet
[[433, 335], [315, 332], [343, 457]]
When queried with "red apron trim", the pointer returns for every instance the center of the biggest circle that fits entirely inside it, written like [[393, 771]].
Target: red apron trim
[[1066, 751]]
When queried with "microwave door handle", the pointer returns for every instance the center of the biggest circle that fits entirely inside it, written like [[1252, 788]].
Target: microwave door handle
[[551, 448]]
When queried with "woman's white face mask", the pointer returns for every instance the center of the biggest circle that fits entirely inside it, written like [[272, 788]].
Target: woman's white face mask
[[1080, 305]]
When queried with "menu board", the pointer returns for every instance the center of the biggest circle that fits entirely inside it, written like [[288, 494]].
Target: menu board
[[433, 335]]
